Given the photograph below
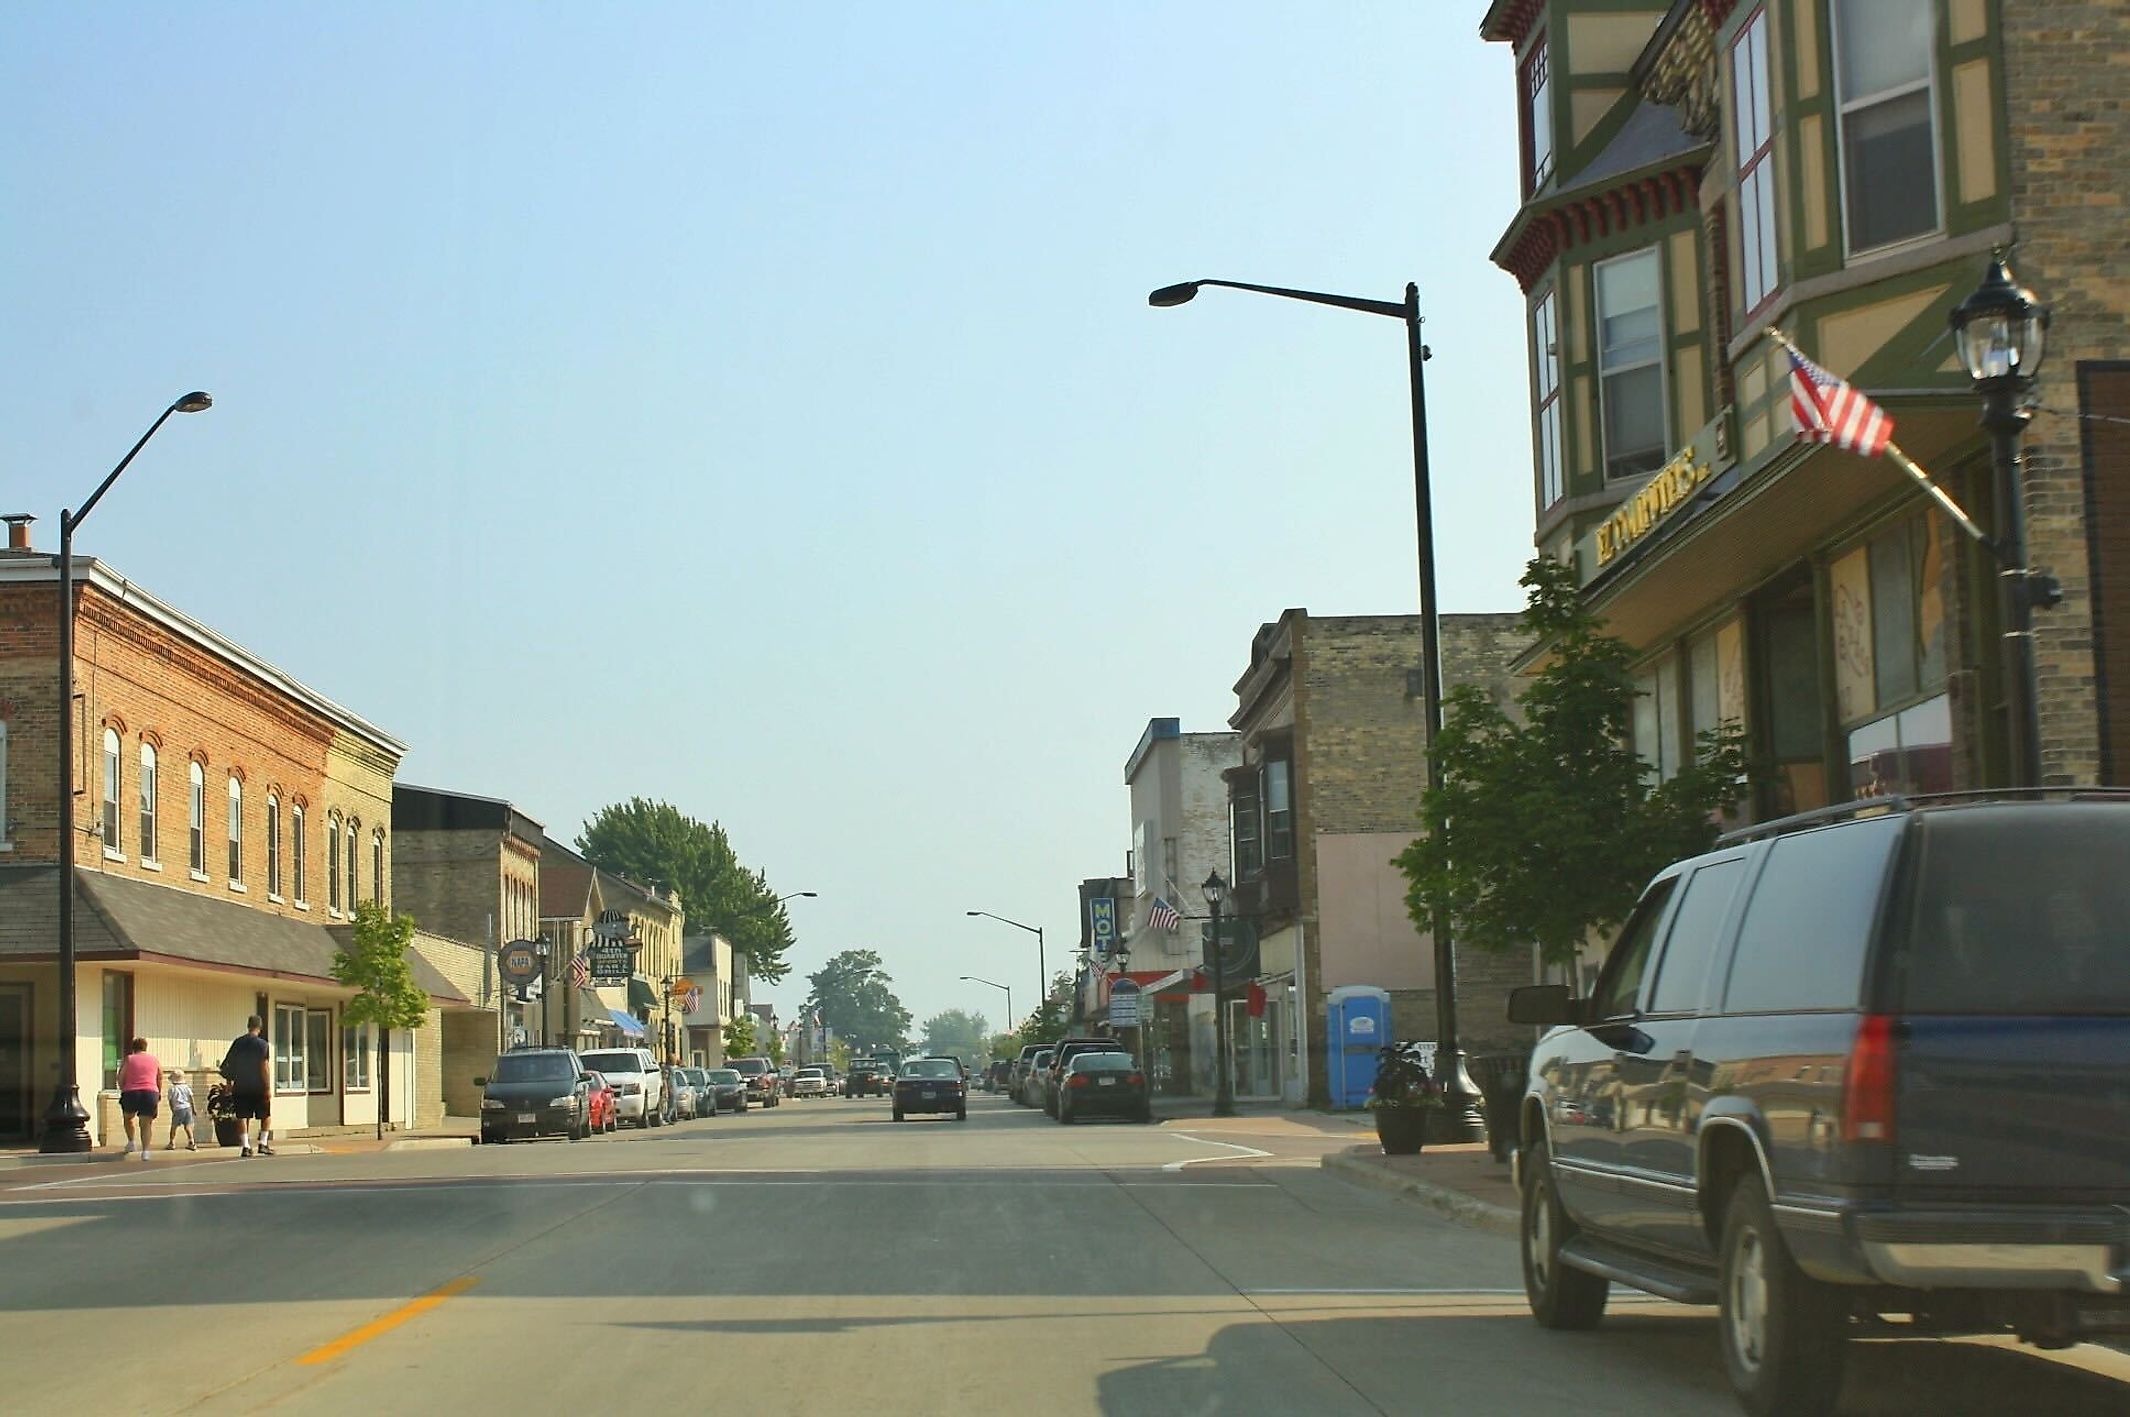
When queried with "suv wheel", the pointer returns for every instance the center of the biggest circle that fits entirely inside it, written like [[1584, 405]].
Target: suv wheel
[[1784, 1334], [1560, 1297]]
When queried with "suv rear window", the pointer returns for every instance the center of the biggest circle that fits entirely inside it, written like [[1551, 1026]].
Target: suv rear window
[[1101, 1063], [613, 1062], [750, 1067], [534, 1067], [930, 1068], [1809, 923], [2021, 912]]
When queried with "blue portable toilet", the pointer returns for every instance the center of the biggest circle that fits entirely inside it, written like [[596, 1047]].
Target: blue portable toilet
[[1357, 1024]]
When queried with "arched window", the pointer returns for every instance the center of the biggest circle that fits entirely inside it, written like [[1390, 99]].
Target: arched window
[[196, 818], [3, 782], [273, 846], [149, 786], [332, 862], [236, 830], [295, 853], [113, 844], [354, 835], [377, 866]]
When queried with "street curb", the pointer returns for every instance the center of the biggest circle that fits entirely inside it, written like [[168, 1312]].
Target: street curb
[[1483, 1215], [427, 1143]]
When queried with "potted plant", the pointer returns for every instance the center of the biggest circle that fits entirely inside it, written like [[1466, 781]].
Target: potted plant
[[222, 1113], [1403, 1096]]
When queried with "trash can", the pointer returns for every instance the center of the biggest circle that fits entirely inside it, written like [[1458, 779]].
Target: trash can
[[1357, 1026]]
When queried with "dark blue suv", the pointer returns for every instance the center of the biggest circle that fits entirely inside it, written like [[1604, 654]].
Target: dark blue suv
[[1865, 1064]]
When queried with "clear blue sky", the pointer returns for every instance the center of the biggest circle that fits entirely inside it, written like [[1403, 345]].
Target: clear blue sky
[[757, 406]]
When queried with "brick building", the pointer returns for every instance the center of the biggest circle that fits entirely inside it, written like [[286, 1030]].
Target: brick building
[[1699, 175], [214, 798], [637, 1012], [1333, 736]]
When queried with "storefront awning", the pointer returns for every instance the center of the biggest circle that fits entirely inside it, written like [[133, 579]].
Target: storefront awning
[[122, 919], [641, 994], [626, 1024]]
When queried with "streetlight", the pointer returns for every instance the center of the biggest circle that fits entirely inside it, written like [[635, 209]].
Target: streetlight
[[972, 979], [66, 1122], [1216, 894], [1042, 977], [2001, 331], [1460, 1118]]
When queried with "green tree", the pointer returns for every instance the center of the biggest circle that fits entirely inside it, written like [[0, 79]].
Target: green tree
[[851, 994], [372, 960], [960, 1034], [776, 1048], [1051, 1017], [1554, 823], [739, 1037], [655, 842]]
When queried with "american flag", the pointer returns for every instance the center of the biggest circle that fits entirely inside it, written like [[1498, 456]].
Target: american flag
[[580, 970], [1163, 916], [1829, 411]]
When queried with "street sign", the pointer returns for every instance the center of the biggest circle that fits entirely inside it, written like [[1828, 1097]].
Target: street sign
[[1124, 1003], [519, 962], [612, 962], [1102, 912]]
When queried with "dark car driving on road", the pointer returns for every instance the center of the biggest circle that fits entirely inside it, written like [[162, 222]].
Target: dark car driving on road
[[535, 1092], [1104, 1085], [1857, 1071], [865, 1080], [931, 1085]]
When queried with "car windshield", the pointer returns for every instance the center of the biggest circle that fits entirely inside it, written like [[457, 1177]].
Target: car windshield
[[613, 1062], [533, 1067], [724, 1077]]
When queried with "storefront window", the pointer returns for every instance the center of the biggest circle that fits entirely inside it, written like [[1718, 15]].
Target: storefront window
[[289, 1072], [117, 1023], [318, 1051], [1889, 637]]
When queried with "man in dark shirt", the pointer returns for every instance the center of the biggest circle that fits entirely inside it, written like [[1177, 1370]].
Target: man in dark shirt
[[249, 1067]]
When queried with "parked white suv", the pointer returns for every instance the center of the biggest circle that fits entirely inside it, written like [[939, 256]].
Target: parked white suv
[[639, 1087]]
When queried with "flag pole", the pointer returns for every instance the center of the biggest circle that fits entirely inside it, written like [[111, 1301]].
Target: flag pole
[[1907, 464]]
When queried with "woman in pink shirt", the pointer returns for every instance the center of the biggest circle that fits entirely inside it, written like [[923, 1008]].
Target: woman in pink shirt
[[140, 1086]]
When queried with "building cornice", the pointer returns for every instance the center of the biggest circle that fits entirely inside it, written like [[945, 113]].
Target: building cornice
[[1547, 229]]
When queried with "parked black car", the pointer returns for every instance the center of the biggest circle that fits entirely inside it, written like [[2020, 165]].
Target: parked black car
[[865, 1080], [1104, 1085], [1857, 1065], [932, 1085], [729, 1089], [1065, 1050], [535, 1092]]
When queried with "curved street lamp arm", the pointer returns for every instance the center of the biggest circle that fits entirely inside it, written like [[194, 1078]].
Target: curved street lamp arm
[[1396, 310]]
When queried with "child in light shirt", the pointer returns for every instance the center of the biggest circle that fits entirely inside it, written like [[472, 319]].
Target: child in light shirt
[[181, 1112]]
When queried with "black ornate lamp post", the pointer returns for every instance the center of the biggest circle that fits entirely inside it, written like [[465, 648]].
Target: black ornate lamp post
[[1042, 978], [66, 1121], [2002, 332], [1216, 894], [1461, 1118]]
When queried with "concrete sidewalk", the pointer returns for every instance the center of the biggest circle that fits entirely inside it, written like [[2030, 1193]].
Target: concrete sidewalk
[[1463, 1182], [454, 1131]]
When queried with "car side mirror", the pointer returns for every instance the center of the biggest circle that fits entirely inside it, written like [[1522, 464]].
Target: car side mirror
[[480, 1082], [1544, 1004], [584, 1077]]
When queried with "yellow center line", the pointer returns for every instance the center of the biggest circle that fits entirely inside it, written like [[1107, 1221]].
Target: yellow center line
[[413, 1308]]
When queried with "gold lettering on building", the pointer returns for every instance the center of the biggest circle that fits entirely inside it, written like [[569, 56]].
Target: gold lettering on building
[[1674, 484]]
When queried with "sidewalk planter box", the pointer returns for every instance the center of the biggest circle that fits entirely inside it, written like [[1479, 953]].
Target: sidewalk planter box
[[1401, 1130]]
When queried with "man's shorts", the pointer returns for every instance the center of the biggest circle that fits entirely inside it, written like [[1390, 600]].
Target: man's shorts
[[140, 1102], [250, 1104]]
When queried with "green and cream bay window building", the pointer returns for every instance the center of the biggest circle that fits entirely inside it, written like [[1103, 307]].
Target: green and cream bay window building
[[1695, 175]]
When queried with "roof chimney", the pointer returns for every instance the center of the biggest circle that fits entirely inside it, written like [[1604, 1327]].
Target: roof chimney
[[18, 530]]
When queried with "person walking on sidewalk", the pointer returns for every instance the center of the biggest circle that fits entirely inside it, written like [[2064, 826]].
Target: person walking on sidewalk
[[181, 1111], [140, 1087], [249, 1067]]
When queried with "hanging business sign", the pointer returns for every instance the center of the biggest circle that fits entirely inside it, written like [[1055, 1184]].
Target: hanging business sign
[[519, 962], [1102, 920], [612, 925], [1124, 1004], [612, 961]]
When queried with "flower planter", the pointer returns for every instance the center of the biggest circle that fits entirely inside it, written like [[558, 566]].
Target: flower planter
[[1401, 1130], [225, 1131]]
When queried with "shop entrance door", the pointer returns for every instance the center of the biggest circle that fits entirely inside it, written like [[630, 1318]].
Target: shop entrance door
[[15, 1101], [1786, 625]]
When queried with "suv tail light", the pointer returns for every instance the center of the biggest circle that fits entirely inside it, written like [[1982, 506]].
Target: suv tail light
[[1076, 1080], [1867, 1084], [1137, 1079]]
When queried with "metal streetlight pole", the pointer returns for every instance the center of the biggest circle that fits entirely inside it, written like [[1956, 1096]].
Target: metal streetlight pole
[[1216, 894], [1008, 988], [1042, 975], [1461, 1117], [2002, 332], [66, 1121]]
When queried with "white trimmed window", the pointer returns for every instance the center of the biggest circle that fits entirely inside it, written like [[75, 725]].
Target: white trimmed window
[[1536, 82], [236, 830], [150, 785], [114, 843], [355, 1057], [273, 846], [295, 853], [290, 1074], [377, 866], [196, 817], [1546, 388], [1754, 121], [1883, 79], [354, 834], [332, 862], [1631, 363]]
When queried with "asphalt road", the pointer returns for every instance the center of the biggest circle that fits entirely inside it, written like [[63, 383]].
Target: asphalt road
[[819, 1258]]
